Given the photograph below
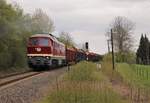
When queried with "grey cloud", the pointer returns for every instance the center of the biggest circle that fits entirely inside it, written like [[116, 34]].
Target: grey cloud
[[130, 0], [91, 18]]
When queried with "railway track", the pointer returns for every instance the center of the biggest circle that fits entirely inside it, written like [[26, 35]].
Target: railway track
[[16, 77], [13, 74]]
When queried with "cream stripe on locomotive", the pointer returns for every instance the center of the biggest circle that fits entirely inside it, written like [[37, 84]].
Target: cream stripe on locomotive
[[39, 55], [55, 56]]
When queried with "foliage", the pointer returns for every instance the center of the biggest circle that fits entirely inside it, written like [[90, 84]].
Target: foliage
[[122, 34], [79, 86], [143, 52], [41, 23], [84, 93], [136, 75], [126, 57], [11, 45], [122, 31], [15, 28], [107, 68], [66, 38], [84, 71], [134, 79]]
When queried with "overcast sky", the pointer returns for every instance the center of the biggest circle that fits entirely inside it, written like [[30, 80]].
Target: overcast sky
[[88, 20]]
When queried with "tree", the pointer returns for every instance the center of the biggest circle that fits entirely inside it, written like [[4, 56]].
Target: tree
[[143, 51], [146, 50], [123, 30], [41, 22], [66, 38], [8, 16], [15, 27], [149, 52], [122, 37], [140, 51], [12, 36]]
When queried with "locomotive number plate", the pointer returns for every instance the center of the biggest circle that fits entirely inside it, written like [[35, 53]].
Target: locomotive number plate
[[38, 49]]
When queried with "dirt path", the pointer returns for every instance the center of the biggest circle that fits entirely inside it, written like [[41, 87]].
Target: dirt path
[[121, 89], [132, 94]]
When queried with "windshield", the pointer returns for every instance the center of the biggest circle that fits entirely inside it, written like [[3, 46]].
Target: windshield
[[39, 42]]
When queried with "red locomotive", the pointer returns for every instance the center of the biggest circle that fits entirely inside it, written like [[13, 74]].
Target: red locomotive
[[44, 50]]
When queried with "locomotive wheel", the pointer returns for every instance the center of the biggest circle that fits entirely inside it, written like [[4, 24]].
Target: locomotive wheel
[[54, 63]]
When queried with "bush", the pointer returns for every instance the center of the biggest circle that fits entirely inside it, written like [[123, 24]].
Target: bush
[[126, 57]]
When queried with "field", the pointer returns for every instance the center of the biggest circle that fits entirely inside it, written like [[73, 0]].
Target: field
[[136, 79], [129, 80], [136, 75], [84, 83]]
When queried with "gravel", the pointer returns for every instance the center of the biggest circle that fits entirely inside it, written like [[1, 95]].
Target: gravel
[[31, 89]]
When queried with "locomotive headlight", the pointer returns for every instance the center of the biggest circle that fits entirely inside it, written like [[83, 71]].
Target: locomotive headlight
[[47, 57]]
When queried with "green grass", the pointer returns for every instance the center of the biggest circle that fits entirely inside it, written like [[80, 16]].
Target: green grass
[[84, 83], [135, 79], [84, 71], [132, 74], [84, 93], [136, 75]]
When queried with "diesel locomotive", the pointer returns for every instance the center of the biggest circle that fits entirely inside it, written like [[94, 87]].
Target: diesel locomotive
[[45, 50]]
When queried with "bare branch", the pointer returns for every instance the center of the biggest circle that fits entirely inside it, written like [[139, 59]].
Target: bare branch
[[123, 39]]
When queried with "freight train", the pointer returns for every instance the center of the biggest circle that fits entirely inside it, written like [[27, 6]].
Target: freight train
[[45, 50]]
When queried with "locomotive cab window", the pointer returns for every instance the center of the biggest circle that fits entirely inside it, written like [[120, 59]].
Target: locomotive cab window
[[39, 42]]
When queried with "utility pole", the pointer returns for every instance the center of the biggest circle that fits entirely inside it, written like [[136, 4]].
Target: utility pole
[[112, 45], [108, 46]]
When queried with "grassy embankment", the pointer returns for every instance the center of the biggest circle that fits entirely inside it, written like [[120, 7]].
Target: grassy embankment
[[84, 83], [134, 78], [137, 78], [132, 74], [135, 75]]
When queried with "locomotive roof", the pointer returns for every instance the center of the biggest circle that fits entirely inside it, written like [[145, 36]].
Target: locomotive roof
[[90, 53], [81, 50], [71, 48], [48, 36]]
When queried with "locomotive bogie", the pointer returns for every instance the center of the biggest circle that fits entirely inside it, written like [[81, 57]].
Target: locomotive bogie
[[39, 61], [48, 62]]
